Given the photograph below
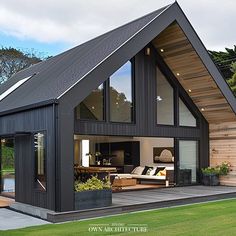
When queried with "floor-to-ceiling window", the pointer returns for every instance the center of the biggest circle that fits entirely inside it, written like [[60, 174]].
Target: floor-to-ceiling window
[[7, 167], [188, 161]]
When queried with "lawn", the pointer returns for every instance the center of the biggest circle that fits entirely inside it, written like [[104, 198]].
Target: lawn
[[215, 218]]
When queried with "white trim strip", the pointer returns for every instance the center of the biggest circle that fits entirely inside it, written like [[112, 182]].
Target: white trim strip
[[41, 184], [114, 51], [13, 88]]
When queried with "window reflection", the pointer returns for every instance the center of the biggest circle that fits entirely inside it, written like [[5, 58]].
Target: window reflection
[[92, 106], [40, 161], [121, 100], [165, 100], [186, 118]]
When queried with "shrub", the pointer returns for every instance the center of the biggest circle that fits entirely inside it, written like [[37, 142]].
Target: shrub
[[92, 184], [222, 169], [210, 171]]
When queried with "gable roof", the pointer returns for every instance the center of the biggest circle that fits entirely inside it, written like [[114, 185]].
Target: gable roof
[[56, 78], [52, 78]]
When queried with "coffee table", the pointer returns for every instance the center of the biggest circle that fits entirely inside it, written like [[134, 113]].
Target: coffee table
[[123, 182]]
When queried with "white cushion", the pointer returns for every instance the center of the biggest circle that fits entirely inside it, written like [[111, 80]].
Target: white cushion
[[122, 176], [148, 177], [138, 170]]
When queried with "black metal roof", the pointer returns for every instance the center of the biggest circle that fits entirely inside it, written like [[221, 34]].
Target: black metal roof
[[59, 77], [52, 78]]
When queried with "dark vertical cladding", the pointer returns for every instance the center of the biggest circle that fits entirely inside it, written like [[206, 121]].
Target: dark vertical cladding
[[145, 109], [145, 105], [22, 126], [65, 158]]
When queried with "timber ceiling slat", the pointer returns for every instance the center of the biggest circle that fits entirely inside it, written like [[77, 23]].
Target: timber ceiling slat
[[182, 59]]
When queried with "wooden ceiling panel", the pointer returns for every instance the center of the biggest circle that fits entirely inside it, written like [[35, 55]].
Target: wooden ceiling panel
[[188, 68]]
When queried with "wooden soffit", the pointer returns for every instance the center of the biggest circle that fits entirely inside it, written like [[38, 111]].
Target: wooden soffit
[[188, 68]]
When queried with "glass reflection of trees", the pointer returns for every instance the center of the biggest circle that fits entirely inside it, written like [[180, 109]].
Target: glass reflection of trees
[[120, 99], [121, 94], [92, 106]]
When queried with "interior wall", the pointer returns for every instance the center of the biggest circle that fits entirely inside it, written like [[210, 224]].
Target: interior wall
[[146, 149], [146, 145]]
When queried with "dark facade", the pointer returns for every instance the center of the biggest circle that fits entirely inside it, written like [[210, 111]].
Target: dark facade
[[46, 103]]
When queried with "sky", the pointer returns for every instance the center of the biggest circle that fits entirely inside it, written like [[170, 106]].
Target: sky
[[50, 27]]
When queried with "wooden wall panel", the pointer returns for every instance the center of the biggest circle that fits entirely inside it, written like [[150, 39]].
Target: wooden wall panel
[[223, 148]]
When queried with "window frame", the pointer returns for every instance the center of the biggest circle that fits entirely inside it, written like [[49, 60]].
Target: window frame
[[35, 163]]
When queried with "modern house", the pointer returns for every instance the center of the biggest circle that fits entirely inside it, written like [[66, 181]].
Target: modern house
[[128, 95]]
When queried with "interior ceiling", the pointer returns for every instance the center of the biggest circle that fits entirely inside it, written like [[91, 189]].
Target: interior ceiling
[[188, 68]]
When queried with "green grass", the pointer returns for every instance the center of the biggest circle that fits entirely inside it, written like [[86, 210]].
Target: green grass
[[215, 218]]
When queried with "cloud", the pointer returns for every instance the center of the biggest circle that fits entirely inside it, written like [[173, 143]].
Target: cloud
[[76, 21]]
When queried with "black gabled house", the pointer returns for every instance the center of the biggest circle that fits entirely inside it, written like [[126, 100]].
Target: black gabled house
[[150, 82]]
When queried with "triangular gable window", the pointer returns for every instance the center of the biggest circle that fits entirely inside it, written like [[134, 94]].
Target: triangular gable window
[[186, 118]]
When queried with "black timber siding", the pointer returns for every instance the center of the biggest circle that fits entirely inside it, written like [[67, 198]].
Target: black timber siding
[[145, 106], [145, 121], [21, 126]]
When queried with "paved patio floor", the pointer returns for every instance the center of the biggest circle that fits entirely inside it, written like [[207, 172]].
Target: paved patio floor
[[169, 194], [13, 220]]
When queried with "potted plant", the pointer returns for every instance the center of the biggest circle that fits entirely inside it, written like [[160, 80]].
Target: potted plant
[[93, 193], [210, 175]]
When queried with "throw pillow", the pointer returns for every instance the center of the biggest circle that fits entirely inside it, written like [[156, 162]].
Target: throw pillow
[[138, 170], [158, 169], [162, 173], [146, 169], [152, 172], [149, 171]]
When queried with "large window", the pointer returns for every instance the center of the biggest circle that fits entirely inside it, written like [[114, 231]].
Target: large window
[[121, 96], [7, 167], [186, 118], [165, 100], [92, 107], [188, 161], [40, 161]]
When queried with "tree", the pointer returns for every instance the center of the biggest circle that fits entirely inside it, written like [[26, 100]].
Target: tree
[[226, 62], [223, 60], [13, 60]]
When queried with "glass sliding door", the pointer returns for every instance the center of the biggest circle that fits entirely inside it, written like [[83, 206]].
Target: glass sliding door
[[7, 167], [188, 162]]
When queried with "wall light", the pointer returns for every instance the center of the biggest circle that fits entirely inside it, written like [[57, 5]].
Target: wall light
[[162, 50], [148, 51], [178, 74]]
